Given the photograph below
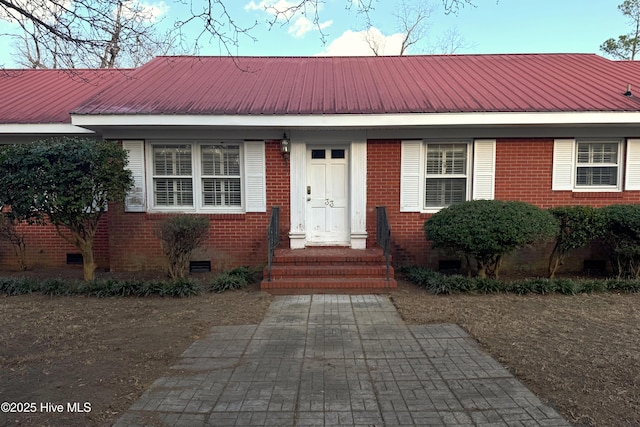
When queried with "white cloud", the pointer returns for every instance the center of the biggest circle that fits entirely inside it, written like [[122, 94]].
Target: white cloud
[[302, 26], [273, 7], [360, 43], [148, 12]]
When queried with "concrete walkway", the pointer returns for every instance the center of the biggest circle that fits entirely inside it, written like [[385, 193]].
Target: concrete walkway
[[330, 360]]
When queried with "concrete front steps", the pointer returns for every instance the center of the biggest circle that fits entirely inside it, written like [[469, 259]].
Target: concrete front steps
[[328, 270]]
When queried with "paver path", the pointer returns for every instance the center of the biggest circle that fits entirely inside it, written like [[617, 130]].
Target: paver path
[[329, 360]]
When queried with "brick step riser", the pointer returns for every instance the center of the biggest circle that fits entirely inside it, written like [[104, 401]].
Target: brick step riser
[[329, 274], [334, 284], [288, 261]]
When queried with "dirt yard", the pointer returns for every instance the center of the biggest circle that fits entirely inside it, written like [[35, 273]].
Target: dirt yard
[[580, 353]]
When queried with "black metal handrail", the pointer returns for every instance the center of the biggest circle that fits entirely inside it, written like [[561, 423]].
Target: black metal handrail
[[383, 234], [273, 237]]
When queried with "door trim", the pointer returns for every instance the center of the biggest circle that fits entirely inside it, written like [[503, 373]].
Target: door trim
[[357, 145]]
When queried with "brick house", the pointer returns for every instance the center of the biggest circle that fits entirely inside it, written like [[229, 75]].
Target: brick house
[[330, 139]]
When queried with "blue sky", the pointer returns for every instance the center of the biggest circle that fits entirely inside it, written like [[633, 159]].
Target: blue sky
[[506, 26]]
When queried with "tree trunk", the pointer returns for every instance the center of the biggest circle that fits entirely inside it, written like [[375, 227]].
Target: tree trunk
[[88, 263]]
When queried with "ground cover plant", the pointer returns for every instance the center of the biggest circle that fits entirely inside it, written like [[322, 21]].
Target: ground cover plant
[[441, 284]]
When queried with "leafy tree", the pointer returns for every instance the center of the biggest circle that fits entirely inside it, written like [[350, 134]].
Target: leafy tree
[[66, 182], [579, 225], [486, 230], [180, 236], [627, 45]]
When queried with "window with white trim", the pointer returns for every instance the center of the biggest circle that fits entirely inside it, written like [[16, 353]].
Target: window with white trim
[[172, 175], [446, 174], [198, 176], [221, 184], [597, 164], [437, 174]]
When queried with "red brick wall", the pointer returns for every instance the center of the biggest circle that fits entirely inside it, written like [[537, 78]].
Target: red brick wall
[[383, 189], [234, 239], [523, 172], [45, 248]]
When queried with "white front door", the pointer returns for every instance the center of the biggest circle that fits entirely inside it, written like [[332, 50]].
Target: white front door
[[327, 195]]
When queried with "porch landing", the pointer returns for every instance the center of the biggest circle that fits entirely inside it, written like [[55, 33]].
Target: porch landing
[[328, 270]]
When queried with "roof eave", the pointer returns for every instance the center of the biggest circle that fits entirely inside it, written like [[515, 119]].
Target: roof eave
[[42, 129], [361, 120]]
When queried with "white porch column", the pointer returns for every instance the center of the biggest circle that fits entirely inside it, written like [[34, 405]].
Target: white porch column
[[358, 194], [297, 176]]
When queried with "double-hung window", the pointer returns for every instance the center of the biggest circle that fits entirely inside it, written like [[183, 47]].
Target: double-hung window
[[589, 165], [446, 178], [221, 184], [197, 176], [437, 174], [597, 164], [172, 175]]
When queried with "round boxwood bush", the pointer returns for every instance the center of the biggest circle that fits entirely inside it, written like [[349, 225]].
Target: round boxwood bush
[[486, 230]]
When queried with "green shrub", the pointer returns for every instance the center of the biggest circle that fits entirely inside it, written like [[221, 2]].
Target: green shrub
[[420, 276], [621, 285], [180, 236], [247, 273], [227, 281], [592, 286], [486, 230], [18, 286], [487, 285], [179, 288], [578, 226], [622, 239], [58, 287], [567, 286]]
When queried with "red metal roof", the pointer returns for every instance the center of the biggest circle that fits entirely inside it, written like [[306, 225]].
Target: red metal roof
[[48, 96], [370, 85], [325, 85]]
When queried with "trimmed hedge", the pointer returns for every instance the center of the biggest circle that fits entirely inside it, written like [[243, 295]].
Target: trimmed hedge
[[440, 284], [486, 230]]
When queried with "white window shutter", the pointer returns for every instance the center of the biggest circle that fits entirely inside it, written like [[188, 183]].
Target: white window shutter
[[632, 169], [484, 169], [563, 164], [410, 176], [135, 201], [255, 188]]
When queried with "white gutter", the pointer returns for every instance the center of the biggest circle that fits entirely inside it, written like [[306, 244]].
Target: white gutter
[[49, 128], [361, 120]]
